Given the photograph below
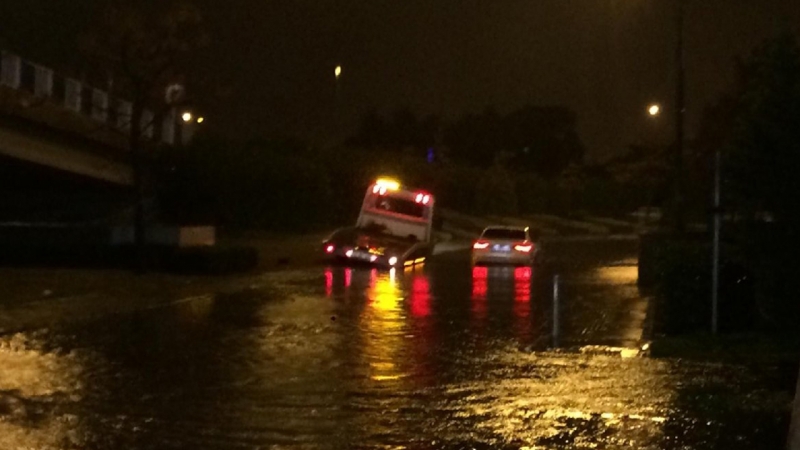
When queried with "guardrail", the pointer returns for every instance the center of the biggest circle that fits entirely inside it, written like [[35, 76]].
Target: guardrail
[[94, 104]]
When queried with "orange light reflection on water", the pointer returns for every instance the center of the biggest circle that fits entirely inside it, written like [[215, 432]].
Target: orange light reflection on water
[[383, 324]]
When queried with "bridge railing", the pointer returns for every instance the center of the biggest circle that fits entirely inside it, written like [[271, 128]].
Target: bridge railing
[[88, 101]]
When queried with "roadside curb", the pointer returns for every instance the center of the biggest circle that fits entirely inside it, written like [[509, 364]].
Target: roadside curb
[[460, 233], [591, 237]]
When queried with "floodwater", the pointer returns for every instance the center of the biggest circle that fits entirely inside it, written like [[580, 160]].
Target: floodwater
[[443, 356]]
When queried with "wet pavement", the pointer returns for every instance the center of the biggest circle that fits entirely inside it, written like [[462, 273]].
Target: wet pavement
[[442, 356]]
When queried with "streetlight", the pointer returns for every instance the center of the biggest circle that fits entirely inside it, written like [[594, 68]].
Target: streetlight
[[337, 71], [200, 119], [187, 117], [654, 110]]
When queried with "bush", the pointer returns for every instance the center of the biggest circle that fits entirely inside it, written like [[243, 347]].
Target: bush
[[677, 270], [249, 186], [771, 255], [496, 193], [284, 186], [532, 193]]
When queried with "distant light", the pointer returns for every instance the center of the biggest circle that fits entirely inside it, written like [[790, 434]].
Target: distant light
[[200, 119], [349, 253], [426, 199], [392, 260], [187, 117], [330, 249], [654, 110], [337, 71]]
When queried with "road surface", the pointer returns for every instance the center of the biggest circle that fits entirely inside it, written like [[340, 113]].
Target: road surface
[[444, 356]]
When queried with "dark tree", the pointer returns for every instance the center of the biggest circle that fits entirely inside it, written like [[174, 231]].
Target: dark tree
[[755, 128], [402, 130], [765, 157], [476, 138], [145, 51], [542, 140]]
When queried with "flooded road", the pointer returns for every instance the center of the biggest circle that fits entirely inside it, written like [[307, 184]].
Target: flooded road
[[443, 356]]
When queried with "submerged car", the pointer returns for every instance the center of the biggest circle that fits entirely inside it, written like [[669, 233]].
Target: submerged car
[[504, 245]]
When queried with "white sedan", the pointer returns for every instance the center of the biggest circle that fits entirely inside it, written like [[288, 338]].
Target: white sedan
[[504, 245]]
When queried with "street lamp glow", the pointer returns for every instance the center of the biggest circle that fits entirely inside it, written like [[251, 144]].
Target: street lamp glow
[[338, 71], [200, 119], [654, 110], [187, 116]]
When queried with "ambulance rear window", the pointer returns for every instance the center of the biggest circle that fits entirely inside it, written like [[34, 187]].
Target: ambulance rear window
[[399, 206]]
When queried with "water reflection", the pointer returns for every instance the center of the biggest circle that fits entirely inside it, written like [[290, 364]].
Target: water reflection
[[420, 296], [618, 274], [32, 380], [502, 285], [522, 303], [395, 330], [480, 289], [362, 358]]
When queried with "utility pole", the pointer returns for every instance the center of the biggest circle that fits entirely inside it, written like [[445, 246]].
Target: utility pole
[[715, 257], [337, 107], [680, 110]]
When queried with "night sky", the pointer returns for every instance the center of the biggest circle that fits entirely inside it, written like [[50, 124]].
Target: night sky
[[272, 61]]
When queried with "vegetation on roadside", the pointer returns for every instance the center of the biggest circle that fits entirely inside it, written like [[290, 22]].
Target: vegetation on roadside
[[754, 129]]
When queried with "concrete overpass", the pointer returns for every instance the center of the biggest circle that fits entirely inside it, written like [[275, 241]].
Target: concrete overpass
[[64, 156], [62, 123]]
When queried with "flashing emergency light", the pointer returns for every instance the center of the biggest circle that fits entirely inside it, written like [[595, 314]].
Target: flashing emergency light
[[387, 183]]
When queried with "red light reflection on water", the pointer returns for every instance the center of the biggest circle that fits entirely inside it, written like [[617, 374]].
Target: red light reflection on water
[[522, 284], [522, 302], [333, 280], [480, 282], [328, 282], [480, 287], [420, 296]]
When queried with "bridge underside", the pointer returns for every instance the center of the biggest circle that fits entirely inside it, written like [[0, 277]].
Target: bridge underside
[[31, 193], [39, 144]]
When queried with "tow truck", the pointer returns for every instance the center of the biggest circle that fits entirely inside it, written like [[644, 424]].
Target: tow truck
[[394, 228]]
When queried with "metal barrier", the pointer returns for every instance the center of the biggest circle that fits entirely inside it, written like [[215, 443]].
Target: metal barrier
[[93, 103]]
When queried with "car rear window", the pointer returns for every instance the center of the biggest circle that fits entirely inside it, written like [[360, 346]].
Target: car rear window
[[504, 233]]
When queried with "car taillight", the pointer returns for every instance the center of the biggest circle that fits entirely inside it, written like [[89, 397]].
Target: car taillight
[[480, 245], [329, 249], [524, 248]]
